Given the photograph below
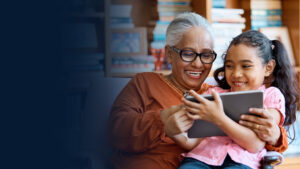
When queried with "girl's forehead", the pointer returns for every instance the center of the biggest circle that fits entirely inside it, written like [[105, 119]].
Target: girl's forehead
[[242, 52]]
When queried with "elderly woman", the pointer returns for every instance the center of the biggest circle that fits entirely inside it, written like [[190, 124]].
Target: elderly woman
[[139, 132]]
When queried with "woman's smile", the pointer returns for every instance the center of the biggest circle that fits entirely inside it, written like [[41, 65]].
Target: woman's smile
[[194, 74]]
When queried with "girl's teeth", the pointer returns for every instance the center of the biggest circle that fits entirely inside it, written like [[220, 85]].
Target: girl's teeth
[[238, 84]]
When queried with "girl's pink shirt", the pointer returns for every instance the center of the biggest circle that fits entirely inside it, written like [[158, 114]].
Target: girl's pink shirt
[[213, 150]]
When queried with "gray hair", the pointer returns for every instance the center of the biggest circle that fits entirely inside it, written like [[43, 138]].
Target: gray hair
[[182, 23]]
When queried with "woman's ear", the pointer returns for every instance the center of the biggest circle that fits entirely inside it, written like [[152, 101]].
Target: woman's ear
[[270, 67], [168, 54]]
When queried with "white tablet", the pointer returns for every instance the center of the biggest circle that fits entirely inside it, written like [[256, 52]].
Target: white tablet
[[234, 103]]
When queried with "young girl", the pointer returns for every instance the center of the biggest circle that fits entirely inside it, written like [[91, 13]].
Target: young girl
[[251, 62]]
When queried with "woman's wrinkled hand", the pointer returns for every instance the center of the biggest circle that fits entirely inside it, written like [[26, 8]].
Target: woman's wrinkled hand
[[175, 120], [263, 124], [166, 113]]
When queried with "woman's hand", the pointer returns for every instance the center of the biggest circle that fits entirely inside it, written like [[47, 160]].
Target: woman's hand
[[263, 124], [206, 109], [175, 120]]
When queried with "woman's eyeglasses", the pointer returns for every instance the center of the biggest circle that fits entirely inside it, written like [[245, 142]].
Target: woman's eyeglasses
[[190, 56]]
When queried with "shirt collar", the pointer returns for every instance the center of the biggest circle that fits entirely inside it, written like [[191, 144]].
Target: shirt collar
[[263, 87]]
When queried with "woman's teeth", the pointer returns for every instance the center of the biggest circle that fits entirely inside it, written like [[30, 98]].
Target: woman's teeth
[[194, 73]]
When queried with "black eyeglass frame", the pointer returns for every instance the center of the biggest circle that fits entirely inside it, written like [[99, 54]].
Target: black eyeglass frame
[[197, 54]]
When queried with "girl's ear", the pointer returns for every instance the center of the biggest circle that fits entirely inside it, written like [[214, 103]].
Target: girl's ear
[[270, 67]]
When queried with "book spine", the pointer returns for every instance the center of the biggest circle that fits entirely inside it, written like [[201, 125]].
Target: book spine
[[261, 23], [266, 12], [229, 20], [173, 9], [219, 3], [266, 18], [165, 23], [159, 37], [273, 4], [167, 18], [227, 11]]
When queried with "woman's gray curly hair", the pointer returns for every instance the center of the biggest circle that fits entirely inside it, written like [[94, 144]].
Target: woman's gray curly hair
[[182, 23]]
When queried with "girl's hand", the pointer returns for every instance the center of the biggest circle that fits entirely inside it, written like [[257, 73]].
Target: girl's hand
[[264, 125], [205, 110], [175, 120]]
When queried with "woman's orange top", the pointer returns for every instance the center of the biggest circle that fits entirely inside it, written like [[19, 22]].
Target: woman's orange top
[[135, 129]]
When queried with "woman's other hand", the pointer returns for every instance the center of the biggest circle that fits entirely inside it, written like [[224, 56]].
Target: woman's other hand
[[166, 113], [264, 123], [175, 120]]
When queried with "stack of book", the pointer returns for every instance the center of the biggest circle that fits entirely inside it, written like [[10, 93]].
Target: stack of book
[[226, 23], [120, 16], [167, 11], [265, 13]]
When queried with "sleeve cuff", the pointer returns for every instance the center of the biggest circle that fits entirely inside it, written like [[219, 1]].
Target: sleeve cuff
[[282, 143]]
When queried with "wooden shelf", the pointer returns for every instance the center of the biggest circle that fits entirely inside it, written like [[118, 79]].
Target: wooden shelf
[[290, 18]]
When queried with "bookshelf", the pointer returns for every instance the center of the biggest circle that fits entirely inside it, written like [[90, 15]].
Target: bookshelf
[[143, 12]]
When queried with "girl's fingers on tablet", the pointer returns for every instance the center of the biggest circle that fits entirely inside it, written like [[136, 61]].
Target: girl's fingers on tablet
[[217, 97], [197, 96]]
